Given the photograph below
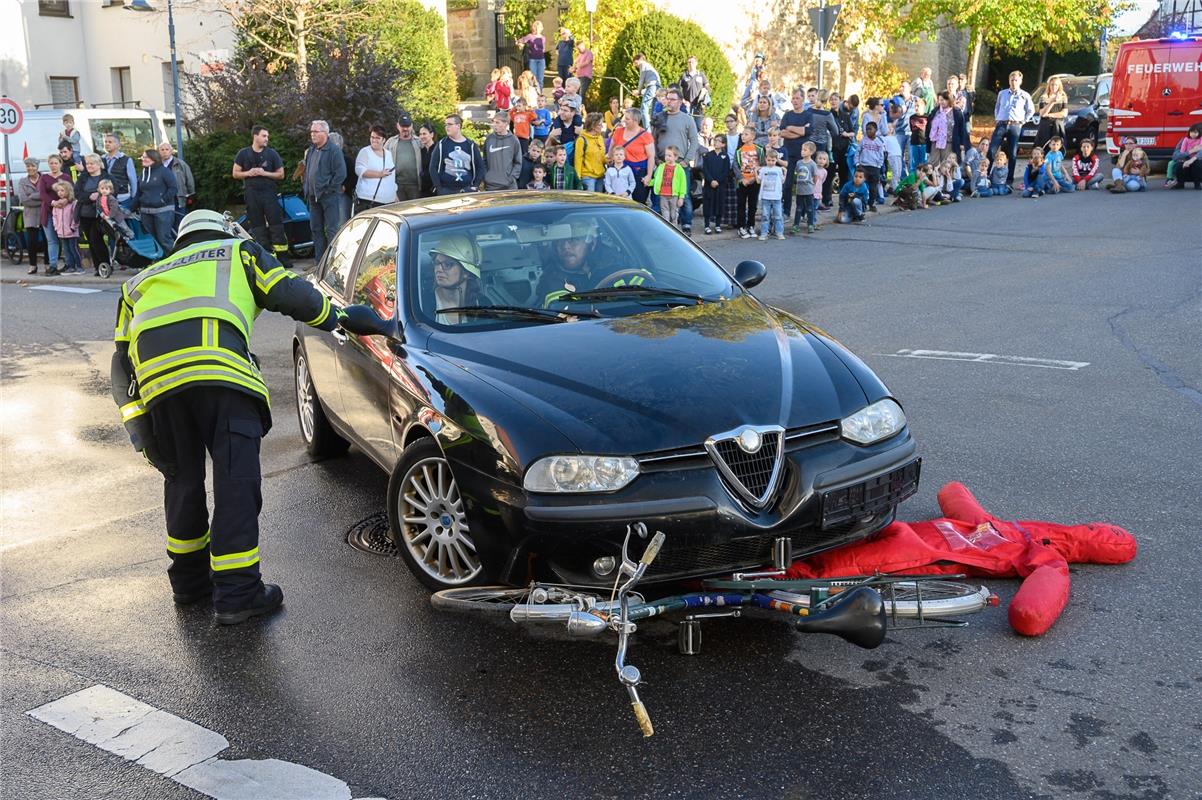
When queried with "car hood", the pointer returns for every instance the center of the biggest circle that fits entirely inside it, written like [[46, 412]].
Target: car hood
[[666, 378]]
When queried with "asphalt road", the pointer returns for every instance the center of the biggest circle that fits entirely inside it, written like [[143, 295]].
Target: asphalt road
[[360, 679]]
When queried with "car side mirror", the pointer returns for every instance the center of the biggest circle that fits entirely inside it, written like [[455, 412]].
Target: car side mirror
[[362, 320], [750, 273]]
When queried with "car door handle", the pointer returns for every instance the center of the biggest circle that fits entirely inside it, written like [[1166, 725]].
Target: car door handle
[[339, 336]]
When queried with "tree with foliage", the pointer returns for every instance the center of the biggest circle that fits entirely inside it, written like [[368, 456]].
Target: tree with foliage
[[668, 41], [609, 20], [1012, 25], [518, 16]]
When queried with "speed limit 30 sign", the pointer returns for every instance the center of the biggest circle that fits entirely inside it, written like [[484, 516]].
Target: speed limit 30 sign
[[11, 116]]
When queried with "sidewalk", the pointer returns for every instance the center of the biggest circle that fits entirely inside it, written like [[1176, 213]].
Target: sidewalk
[[11, 273]]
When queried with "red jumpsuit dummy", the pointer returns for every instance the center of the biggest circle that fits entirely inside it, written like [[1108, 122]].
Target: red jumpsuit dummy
[[969, 540]]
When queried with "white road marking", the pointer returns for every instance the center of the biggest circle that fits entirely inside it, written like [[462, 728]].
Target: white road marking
[[181, 750], [70, 289], [989, 358]]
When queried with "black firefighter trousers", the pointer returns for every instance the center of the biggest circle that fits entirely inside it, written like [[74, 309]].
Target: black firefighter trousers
[[222, 554], [265, 221]]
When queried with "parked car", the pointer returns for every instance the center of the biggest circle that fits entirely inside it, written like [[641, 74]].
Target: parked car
[[600, 369], [1157, 93], [1088, 110]]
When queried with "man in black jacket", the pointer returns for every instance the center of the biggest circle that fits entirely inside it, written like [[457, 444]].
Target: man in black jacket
[[695, 90]]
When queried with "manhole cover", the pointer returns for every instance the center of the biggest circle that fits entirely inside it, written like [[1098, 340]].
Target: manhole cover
[[371, 535]]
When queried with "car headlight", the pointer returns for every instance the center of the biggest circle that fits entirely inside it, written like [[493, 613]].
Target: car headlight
[[580, 473], [873, 423]]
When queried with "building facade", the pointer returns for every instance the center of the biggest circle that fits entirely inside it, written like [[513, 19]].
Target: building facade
[[72, 53]]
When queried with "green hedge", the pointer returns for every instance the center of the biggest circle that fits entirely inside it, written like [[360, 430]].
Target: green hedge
[[668, 41]]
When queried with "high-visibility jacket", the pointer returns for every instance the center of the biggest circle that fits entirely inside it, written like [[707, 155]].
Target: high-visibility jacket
[[187, 321]]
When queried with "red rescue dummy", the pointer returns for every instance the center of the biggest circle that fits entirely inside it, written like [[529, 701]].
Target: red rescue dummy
[[969, 540]]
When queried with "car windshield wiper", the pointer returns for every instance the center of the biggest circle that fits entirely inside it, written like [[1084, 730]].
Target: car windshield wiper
[[619, 292], [537, 314]]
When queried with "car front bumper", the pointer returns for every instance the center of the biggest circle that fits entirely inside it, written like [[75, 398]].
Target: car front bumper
[[831, 493]]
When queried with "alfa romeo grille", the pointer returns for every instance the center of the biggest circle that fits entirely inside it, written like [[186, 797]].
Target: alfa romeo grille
[[749, 460]]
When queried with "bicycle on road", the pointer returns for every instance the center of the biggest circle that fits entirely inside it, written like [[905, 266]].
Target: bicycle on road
[[858, 609]]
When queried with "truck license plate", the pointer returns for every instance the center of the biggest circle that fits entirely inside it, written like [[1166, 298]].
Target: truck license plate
[[1145, 140]]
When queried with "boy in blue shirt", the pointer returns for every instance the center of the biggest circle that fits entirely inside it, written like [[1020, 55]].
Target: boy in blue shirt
[[542, 122], [853, 198]]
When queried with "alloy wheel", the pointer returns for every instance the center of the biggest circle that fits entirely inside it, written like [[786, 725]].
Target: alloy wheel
[[304, 397], [433, 527]]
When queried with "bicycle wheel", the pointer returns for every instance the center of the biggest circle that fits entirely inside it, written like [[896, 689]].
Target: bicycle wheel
[[937, 598], [489, 601]]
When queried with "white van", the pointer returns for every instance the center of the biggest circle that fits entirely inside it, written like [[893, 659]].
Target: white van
[[139, 129]]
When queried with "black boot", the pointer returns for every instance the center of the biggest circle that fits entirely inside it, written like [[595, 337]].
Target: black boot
[[268, 600]]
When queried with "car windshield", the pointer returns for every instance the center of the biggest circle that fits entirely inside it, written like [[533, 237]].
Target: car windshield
[[557, 265]]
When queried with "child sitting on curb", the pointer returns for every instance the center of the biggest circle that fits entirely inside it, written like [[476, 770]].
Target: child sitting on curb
[[853, 198], [997, 175], [1086, 172], [1035, 177], [1058, 180]]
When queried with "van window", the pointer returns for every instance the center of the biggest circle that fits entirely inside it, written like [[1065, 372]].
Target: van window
[[137, 134]]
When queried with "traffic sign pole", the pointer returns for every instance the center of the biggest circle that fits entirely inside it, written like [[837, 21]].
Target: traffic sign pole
[[11, 119]]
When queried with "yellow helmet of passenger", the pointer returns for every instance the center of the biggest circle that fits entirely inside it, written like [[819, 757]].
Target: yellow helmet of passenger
[[461, 248]]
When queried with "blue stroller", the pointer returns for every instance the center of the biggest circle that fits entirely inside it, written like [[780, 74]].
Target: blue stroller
[[132, 247]]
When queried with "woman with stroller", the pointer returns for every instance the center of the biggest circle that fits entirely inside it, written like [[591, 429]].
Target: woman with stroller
[[87, 192], [157, 190]]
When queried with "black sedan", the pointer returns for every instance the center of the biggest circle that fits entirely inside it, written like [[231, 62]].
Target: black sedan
[[1088, 111], [536, 370]]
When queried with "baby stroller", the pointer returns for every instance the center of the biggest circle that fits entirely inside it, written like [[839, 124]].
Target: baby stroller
[[130, 246]]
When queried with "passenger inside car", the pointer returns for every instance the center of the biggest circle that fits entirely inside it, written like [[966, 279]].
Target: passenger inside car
[[577, 262], [456, 261]]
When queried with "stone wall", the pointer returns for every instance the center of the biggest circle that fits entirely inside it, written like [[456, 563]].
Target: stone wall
[[471, 35]]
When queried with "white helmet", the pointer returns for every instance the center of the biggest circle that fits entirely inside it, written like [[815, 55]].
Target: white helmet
[[205, 220]]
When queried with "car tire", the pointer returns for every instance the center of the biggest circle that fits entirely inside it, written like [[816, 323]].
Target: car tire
[[428, 520], [321, 440]]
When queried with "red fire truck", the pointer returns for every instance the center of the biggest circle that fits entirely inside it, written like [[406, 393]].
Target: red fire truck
[[1157, 93]]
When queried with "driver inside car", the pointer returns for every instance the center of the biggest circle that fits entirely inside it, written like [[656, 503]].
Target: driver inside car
[[579, 261], [456, 261]]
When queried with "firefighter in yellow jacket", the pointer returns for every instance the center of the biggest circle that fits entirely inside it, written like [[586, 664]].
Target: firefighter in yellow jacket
[[186, 382]]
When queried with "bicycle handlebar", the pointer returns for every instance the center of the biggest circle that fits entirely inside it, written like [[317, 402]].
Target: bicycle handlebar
[[653, 548]]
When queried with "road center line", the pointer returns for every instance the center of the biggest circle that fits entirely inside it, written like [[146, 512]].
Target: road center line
[[989, 358], [181, 750], [69, 289]]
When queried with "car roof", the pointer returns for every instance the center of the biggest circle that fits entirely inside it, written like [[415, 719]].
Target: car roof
[[433, 211]]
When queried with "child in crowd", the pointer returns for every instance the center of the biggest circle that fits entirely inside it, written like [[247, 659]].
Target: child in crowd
[[542, 125], [70, 134], [980, 184], [589, 153], [949, 171], [1183, 166], [1035, 177], [533, 157], [893, 153], [853, 198], [715, 170], [930, 186], [771, 178], [557, 90], [523, 121], [571, 95], [748, 158], [110, 210], [670, 182], [998, 183], [973, 156], [66, 227], [619, 178], [1116, 174], [538, 179], [505, 89], [908, 196], [490, 88], [804, 177], [776, 144], [918, 134], [560, 174], [871, 156], [1058, 180], [1085, 168], [1135, 173], [822, 168]]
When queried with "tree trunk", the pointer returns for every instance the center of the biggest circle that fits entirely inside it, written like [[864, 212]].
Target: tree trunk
[[302, 52], [1043, 63], [974, 61]]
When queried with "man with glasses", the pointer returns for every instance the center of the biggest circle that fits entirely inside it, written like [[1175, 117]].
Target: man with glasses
[[325, 170], [456, 163]]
